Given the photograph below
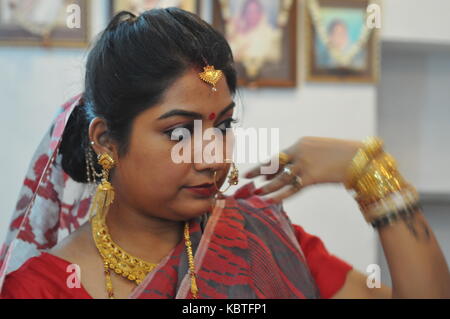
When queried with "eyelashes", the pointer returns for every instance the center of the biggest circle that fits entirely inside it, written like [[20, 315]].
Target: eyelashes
[[226, 124], [181, 132]]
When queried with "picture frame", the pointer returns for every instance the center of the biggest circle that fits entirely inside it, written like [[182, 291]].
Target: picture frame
[[138, 6], [43, 23], [343, 24], [263, 37]]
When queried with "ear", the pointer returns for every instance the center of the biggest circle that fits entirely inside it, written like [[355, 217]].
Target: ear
[[103, 143]]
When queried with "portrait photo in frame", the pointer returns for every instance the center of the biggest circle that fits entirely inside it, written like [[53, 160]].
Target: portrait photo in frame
[[139, 6], [340, 46], [263, 37], [43, 23]]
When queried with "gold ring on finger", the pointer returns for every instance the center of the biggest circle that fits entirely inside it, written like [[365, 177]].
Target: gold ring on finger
[[296, 180], [283, 158]]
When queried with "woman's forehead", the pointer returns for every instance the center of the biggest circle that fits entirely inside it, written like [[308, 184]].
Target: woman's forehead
[[190, 93]]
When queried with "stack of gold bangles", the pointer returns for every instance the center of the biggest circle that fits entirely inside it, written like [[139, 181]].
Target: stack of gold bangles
[[381, 192]]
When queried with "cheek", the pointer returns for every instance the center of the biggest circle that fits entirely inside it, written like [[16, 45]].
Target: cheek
[[229, 143], [144, 173]]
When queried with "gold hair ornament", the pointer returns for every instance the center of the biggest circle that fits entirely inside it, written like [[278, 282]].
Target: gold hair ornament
[[211, 76]]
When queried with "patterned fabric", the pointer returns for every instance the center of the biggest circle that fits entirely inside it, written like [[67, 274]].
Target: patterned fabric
[[244, 248], [247, 250]]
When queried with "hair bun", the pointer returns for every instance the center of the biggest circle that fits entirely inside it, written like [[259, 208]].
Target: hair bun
[[74, 143]]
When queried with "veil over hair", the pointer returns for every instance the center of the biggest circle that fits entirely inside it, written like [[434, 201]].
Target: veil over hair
[[51, 205]]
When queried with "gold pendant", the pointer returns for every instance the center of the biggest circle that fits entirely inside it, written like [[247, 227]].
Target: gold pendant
[[211, 76]]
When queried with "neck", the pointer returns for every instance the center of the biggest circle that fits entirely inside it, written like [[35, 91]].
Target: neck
[[143, 236]]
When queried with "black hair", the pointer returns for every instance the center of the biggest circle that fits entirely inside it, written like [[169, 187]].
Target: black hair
[[133, 62]]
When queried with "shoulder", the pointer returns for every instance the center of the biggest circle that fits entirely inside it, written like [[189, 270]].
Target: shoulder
[[49, 275], [40, 277], [76, 246], [329, 271]]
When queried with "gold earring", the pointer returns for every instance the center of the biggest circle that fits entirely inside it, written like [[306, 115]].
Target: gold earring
[[233, 177], [104, 195], [91, 174]]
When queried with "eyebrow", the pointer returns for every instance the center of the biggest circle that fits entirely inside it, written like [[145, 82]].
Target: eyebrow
[[194, 115]]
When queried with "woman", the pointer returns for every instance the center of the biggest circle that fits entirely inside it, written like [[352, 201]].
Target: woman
[[252, 38], [157, 229]]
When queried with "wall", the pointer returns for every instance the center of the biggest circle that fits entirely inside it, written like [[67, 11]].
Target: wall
[[414, 115], [416, 21], [413, 119], [413, 111]]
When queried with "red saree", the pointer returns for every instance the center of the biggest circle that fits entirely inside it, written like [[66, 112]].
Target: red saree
[[45, 276], [245, 248]]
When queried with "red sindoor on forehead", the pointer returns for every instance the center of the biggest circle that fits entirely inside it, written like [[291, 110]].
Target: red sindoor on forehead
[[212, 116]]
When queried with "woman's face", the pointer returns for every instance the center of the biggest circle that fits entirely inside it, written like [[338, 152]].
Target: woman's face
[[147, 178], [339, 37], [253, 12]]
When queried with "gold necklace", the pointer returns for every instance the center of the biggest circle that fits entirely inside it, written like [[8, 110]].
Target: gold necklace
[[129, 266]]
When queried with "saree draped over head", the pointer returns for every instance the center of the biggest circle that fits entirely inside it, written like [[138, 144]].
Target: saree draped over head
[[243, 248]]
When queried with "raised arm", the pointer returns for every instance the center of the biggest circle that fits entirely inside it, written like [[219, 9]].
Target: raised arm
[[417, 266]]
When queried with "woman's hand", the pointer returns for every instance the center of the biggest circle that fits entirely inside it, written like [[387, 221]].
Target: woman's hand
[[315, 160]]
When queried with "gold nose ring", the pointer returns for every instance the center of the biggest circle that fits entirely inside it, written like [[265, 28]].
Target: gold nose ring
[[233, 177]]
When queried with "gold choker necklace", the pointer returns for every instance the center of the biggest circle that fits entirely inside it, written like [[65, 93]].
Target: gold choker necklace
[[129, 266]]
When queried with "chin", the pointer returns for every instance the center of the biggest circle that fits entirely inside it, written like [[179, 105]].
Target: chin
[[196, 207]]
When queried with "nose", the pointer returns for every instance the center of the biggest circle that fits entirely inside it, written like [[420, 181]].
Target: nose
[[208, 162], [211, 157]]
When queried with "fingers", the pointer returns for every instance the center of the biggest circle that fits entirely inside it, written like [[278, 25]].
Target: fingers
[[254, 172], [277, 183], [292, 190], [282, 160]]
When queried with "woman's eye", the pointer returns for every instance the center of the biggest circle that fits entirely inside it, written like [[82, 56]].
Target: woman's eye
[[179, 133], [226, 124], [185, 132]]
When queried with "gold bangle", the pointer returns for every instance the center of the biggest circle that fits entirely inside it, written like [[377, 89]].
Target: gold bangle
[[372, 147], [381, 190], [380, 179], [394, 202]]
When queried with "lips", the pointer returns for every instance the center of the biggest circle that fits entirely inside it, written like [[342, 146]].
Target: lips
[[203, 190]]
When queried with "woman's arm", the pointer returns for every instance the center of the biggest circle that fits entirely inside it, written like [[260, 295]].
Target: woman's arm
[[416, 263], [417, 266], [355, 287]]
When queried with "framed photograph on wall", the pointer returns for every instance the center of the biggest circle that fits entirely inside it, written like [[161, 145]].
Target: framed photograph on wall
[[340, 45], [44, 23], [139, 6], [262, 35]]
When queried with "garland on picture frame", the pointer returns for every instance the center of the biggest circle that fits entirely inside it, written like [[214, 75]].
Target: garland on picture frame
[[343, 59]]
